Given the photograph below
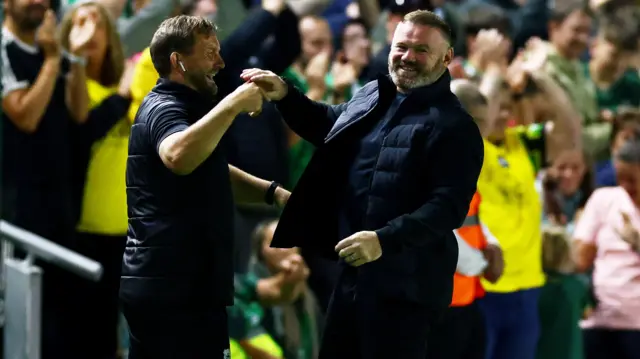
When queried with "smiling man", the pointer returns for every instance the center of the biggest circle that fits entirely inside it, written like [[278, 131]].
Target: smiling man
[[392, 177], [177, 272]]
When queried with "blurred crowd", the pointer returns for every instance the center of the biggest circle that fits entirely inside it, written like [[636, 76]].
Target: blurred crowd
[[553, 85]]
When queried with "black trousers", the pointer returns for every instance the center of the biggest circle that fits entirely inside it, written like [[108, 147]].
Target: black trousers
[[172, 333], [460, 334], [98, 316], [601, 343], [369, 327]]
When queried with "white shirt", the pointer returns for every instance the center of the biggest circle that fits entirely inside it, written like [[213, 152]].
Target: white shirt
[[471, 261]]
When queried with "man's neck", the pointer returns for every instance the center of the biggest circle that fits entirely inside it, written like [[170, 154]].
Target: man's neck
[[28, 37]]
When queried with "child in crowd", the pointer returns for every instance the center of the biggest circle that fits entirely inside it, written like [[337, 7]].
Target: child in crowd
[[562, 300]]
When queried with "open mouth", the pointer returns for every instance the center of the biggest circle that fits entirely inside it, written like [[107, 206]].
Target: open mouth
[[210, 76]]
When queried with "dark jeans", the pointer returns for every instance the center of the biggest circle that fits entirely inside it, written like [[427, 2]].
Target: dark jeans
[[365, 326], [512, 323], [460, 334], [177, 333], [99, 315], [601, 343]]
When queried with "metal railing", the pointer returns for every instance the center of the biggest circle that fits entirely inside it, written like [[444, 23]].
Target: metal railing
[[22, 286]]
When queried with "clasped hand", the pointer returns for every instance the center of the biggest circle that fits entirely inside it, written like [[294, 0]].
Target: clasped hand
[[360, 248]]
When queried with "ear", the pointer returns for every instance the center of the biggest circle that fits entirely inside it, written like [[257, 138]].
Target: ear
[[174, 58], [448, 56]]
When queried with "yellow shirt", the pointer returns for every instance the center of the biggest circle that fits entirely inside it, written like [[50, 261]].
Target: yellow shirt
[[512, 210], [145, 77], [104, 204], [262, 341]]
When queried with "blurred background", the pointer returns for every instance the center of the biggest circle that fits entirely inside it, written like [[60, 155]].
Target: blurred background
[[567, 71]]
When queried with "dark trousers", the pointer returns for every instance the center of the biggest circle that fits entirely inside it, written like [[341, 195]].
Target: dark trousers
[[512, 323], [172, 333], [368, 327], [460, 334], [601, 343], [98, 316]]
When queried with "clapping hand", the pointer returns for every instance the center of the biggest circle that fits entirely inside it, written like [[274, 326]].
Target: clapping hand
[[360, 248], [629, 233], [295, 269], [84, 27], [46, 35]]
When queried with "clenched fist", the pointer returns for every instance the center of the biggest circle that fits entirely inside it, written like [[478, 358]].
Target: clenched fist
[[248, 98], [360, 248]]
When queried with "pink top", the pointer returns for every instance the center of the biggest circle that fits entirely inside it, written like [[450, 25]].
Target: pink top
[[616, 277]]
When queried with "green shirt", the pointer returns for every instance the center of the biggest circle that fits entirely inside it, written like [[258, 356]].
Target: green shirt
[[562, 302], [623, 92]]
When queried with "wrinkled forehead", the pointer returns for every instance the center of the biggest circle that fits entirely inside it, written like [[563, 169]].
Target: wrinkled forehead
[[207, 42], [410, 34]]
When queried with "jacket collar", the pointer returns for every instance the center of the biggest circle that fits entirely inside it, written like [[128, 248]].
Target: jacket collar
[[193, 99]]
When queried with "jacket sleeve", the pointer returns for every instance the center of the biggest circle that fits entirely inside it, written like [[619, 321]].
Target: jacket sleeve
[[454, 163], [309, 119]]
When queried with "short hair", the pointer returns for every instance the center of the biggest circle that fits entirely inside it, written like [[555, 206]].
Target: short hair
[[561, 9], [626, 118], [482, 16], [357, 22], [468, 93], [629, 152], [621, 28], [428, 18], [177, 34]]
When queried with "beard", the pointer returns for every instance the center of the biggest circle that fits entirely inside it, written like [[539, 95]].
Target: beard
[[203, 82], [410, 75], [27, 18]]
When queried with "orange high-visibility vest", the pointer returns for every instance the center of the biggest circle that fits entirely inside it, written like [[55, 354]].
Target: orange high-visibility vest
[[467, 289]]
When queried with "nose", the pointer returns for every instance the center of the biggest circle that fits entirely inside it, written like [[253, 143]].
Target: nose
[[408, 56]]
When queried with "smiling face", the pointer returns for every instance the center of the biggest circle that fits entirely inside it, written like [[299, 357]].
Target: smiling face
[[419, 55], [203, 64]]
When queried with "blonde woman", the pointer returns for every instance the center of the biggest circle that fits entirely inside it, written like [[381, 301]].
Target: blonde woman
[[100, 155]]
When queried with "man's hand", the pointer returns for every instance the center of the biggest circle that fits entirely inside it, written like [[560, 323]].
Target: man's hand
[[275, 7], [46, 35], [272, 86], [360, 248], [83, 30], [281, 197], [493, 255], [249, 97]]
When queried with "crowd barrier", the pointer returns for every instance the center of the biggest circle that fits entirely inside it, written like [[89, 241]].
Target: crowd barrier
[[22, 286]]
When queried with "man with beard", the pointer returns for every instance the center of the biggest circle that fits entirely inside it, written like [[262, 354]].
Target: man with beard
[[177, 273], [393, 175], [43, 93]]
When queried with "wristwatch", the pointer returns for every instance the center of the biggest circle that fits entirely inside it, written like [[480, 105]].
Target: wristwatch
[[271, 191], [82, 61]]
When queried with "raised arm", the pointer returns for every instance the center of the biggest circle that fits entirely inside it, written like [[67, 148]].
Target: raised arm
[[183, 147], [309, 119], [453, 175]]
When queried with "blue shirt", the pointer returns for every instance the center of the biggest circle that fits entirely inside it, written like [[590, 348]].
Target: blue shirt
[[365, 155]]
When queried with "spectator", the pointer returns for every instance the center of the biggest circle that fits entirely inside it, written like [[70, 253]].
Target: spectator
[[607, 239], [562, 300], [100, 152], [567, 185], [43, 93], [610, 68], [570, 25], [626, 126], [294, 325]]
